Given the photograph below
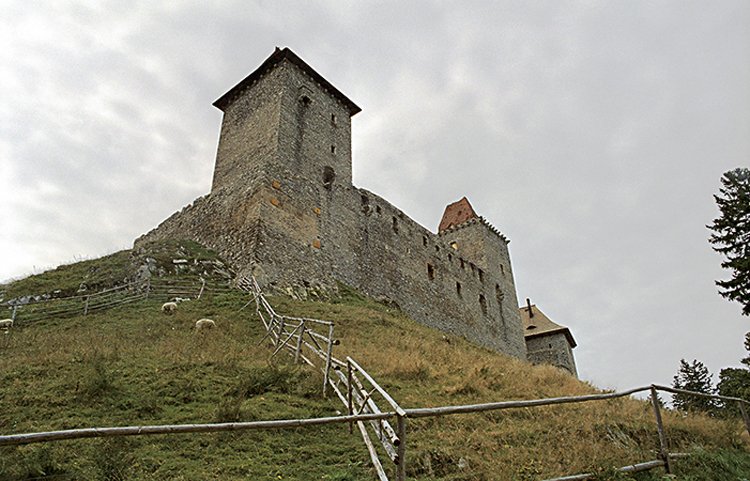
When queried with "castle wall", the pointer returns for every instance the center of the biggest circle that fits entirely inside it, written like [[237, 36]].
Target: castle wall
[[551, 349], [283, 208]]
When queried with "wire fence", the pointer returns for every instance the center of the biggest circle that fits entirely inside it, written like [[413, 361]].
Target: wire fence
[[367, 404]]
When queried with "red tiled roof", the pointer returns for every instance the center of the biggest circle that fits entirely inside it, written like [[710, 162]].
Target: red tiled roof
[[457, 213]]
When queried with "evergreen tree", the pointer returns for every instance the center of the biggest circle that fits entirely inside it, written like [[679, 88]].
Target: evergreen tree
[[694, 377], [731, 235], [735, 382]]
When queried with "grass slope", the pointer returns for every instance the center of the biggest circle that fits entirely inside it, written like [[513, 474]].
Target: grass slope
[[134, 365]]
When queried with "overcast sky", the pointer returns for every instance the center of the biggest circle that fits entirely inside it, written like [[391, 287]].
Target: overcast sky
[[593, 134]]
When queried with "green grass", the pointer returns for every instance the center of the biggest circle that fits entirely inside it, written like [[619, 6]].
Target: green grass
[[134, 365]]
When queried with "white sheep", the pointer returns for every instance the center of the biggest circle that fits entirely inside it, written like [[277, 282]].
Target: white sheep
[[177, 300], [204, 324], [6, 323], [169, 307]]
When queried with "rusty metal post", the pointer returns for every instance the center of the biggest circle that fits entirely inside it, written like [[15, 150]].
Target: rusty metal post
[[663, 448]]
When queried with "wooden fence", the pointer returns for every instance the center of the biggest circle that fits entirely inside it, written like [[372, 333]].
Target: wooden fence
[[35, 310], [358, 391]]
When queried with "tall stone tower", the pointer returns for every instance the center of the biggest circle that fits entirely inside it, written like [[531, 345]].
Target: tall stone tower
[[472, 237]]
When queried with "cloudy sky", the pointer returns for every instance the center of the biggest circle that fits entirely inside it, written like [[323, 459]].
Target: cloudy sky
[[593, 134]]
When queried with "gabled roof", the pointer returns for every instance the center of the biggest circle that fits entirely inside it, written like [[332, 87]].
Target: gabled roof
[[277, 57], [540, 325], [457, 213]]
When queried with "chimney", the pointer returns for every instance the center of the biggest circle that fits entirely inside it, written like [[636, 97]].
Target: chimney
[[528, 306]]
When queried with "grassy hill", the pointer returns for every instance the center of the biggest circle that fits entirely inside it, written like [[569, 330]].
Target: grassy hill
[[134, 365]]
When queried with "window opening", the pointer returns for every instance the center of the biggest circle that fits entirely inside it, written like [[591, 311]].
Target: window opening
[[329, 175], [483, 304], [424, 240], [394, 225], [430, 272], [458, 289]]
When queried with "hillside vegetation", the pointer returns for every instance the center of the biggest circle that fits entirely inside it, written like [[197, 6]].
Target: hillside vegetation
[[134, 365]]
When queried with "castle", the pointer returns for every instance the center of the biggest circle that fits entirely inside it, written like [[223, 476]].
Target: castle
[[283, 207]]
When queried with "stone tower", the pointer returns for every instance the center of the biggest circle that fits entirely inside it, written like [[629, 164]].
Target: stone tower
[[472, 237]]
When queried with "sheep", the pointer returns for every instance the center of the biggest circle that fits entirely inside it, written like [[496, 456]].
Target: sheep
[[177, 300], [169, 307], [204, 324], [6, 323]]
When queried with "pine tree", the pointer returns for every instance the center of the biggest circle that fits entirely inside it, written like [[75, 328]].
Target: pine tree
[[735, 382], [694, 377], [731, 235]]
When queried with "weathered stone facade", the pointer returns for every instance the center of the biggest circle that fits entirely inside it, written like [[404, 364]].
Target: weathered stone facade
[[282, 207]]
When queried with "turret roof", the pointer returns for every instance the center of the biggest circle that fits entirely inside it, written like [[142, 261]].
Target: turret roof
[[277, 57], [540, 325], [457, 213]]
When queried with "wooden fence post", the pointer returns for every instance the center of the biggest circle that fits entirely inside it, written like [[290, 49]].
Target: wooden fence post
[[13, 314], [148, 287], [349, 393], [299, 343], [281, 330], [329, 353], [86, 306], [745, 417], [664, 450], [401, 466], [203, 286]]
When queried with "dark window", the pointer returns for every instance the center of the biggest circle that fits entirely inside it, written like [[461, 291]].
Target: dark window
[[483, 304], [329, 175], [458, 289], [333, 149], [424, 240], [462, 263], [437, 248], [499, 296], [394, 225], [305, 100], [430, 272], [481, 275], [333, 119]]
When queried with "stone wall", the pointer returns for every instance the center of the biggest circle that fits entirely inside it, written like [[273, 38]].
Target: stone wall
[[551, 349]]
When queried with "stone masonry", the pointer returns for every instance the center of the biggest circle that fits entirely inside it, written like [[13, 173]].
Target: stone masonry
[[283, 207]]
